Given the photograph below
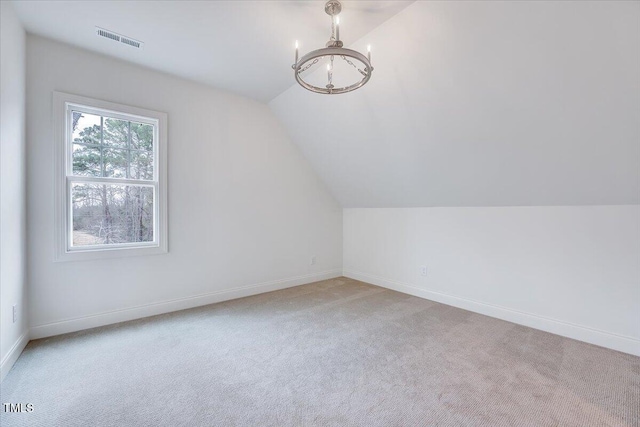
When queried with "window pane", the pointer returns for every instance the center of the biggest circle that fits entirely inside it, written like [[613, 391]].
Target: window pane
[[106, 214], [86, 128], [141, 165], [115, 162], [116, 132], [86, 160], [141, 136]]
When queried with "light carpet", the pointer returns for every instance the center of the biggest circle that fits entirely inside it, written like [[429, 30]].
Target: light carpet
[[334, 353]]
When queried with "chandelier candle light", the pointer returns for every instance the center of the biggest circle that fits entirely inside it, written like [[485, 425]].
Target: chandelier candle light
[[334, 51]]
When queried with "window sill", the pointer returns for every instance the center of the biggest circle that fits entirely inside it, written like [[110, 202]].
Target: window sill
[[120, 252]]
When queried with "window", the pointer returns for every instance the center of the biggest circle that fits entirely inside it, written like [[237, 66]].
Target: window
[[111, 175]]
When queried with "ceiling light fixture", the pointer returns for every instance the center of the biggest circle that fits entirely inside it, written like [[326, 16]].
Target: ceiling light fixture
[[334, 53]]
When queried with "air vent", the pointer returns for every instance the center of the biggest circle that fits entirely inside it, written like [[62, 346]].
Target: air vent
[[119, 38], [130, 42]]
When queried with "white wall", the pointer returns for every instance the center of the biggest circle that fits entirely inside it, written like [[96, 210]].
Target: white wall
[[245, 208], [13, 336], [574, 271]]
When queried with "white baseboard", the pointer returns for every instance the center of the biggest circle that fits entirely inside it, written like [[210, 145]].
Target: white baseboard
[[582, 333], [117, 316], [14, 353]]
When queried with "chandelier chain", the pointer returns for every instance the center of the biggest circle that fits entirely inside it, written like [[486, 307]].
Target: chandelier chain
[[333, 29], [353, 65], [309, 65]]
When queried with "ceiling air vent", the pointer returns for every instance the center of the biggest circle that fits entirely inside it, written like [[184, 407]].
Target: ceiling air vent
[[119, 38], [130, 42]]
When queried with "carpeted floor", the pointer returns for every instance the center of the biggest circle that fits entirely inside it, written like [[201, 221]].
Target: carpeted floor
[[334, 353]]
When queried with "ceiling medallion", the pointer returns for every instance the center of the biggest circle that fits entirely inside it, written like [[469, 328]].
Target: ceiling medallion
[[347, 69]]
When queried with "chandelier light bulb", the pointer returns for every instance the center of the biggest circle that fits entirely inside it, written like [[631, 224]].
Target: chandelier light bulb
[[330, 76]]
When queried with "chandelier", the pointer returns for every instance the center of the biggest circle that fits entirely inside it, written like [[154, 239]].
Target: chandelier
[[347, 69]]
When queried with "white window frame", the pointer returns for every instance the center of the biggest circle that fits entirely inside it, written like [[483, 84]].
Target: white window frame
[[63, 104]]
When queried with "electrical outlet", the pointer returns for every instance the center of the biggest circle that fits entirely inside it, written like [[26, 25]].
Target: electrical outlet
[[423, 271], [15, 313], [313, 260]]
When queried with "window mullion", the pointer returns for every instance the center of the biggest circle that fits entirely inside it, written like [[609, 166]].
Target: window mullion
[[107, 180], [68, 144], [69, 214], [102, 168], [129, 152]]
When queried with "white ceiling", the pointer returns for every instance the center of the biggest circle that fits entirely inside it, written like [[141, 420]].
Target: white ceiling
[[471, 103], [242, 46], [484, 104]]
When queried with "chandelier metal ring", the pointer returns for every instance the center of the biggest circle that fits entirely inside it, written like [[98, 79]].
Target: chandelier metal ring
[[327, 52], [334, 49]]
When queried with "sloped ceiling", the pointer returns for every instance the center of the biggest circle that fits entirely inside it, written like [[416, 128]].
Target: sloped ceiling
[[478, 103], [246, 47], [484, 104]]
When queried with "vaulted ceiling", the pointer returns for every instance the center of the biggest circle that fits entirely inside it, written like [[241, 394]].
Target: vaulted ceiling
[[484, 104], [471, 103]]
